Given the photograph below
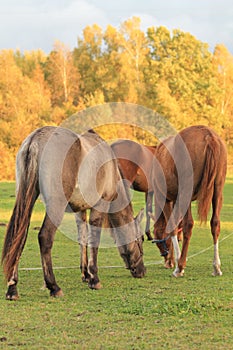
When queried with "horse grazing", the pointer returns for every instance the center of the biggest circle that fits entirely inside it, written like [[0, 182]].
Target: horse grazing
[[72, 173], [193, 167], [135, 163]]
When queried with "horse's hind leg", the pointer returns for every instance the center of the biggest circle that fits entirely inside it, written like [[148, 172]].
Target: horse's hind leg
[[215, 227], [96, 219], [81, 221], [46, 238], [12, 293]]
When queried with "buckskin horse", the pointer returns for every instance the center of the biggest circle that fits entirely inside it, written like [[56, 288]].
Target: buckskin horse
[[135, 162], [72, 173], [193, 167]]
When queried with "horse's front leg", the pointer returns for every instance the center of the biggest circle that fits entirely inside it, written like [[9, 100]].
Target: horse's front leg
[[95, 221], [187, 233], [46, 238], [148, 198], [81, 221], [169, 258], [177, 272]]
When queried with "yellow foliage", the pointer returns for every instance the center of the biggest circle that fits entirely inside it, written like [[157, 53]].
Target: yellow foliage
[[115, 131], [170, 72], [7, 163]]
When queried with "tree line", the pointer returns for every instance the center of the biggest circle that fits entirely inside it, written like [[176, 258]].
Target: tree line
[[170, 72]]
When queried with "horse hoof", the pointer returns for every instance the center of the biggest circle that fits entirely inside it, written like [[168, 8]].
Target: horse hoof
[[217, 273], [12, 293], [178, 273], [12, 297], [95, 286], [168, 265], [57, 294], [85, 278]]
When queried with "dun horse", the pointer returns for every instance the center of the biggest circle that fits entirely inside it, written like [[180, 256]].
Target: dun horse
[[72, 173], [135, 162], [193, 167]]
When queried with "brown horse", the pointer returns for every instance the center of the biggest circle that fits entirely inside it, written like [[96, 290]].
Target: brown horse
[[193, 167], [72, 173], [135, 162]]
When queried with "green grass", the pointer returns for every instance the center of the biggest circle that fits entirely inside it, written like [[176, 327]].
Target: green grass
[[156, 312]]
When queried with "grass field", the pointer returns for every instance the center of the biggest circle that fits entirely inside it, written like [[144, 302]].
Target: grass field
[[156, 312]]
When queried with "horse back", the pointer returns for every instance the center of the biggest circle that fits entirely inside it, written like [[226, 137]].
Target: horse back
[[135, 162], [203, 142], [192, 149], [97, 174]]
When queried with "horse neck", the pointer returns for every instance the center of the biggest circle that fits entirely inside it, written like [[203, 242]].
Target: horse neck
[[124, 229], [121, 217]]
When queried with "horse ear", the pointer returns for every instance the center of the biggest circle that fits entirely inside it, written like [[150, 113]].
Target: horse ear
[[151, 216], [140, 215]]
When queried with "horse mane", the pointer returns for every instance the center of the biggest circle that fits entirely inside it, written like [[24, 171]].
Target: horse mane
[[92, 133]]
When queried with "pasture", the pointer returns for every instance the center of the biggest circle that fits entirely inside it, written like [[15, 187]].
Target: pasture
[[156, 312]]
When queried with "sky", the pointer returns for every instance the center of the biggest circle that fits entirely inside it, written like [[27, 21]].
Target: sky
[[37, 24]]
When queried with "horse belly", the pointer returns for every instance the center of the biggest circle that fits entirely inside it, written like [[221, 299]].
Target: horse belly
[[140, 184], [77, 202]]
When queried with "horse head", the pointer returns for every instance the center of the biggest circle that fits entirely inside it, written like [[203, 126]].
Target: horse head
[[163, 240], [132, 252]]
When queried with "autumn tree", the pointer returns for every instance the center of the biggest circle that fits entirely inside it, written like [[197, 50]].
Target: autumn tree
[[223, 62], [182, 83], [125, 56], [62, 75], [24, 103], [170, 72], [87, 59]]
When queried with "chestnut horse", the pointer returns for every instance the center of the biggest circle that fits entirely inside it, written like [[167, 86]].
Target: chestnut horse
[[135, 163], [193, 167], [72, 173]]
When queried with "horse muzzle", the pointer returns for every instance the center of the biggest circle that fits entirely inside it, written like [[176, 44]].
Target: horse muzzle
[[164, 251], [139, 271]]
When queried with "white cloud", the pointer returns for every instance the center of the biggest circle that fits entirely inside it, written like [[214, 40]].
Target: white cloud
[[209, 21], [31, 27], [31, 24]]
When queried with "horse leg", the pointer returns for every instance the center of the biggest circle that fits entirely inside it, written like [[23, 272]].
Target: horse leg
[[81, 221], [95, 221], [174, 248], [46, 238], [12, 293], [148, 198], [164, 217], [187, 233], [169, 261], [176, 272], [215, 227]]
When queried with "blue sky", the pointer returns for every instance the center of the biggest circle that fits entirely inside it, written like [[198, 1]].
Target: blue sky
[[33, 24]]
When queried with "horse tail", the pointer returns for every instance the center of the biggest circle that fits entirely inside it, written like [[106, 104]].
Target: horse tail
[[27, 193], [206, 189]]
